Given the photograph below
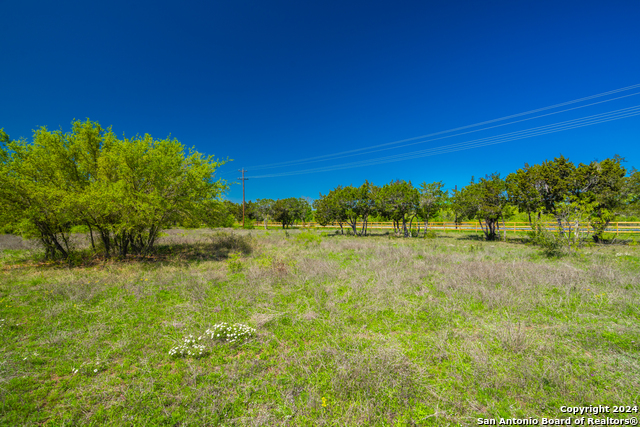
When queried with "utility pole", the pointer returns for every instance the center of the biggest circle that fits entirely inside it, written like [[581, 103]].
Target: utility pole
[[243, 179]]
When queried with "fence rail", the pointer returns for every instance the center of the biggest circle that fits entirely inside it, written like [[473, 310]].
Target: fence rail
[[621, 227]]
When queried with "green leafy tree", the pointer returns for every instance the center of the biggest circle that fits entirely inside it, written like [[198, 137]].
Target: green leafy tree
[[632, 192], [491, 197], [606, 184], [264, 210], [288, 211], [431, 200], [329, 210], [463, 203], [125, 190], [555, 182], [36, 182], [523, 193], [398, 201]]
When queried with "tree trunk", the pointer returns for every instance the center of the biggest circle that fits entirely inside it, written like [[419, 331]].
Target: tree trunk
[[560, 226], [93, 245], [404, 226], [411, 223], [486, 234]]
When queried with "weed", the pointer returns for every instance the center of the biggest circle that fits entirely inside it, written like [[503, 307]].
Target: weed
[[189, 347], [234, 262], [307, 238], [230, 333], [224, 243]]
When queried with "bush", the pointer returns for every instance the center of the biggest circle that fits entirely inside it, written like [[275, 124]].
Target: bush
[[234, 262], [225, 243], [307, 238], [550, 243]]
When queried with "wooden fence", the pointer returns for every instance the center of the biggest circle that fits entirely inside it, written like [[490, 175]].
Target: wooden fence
[[620, 227]]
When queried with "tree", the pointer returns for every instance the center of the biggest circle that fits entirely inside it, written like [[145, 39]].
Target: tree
[[606, 191], [126, 190], [491, 197], [234, 209], [485, 200], [555, 182], [632, 192], [523, 193], [397, 201], [463, 203], [432, 198], [35, 181], [264, 210], [289, 210], [329, 210]]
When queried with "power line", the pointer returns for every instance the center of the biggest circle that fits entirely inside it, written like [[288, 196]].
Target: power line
[[299, 162], [457, 147], [499, 139], [291, 162]]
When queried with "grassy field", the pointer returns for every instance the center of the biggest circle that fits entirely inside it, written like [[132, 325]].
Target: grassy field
[[349, 331]]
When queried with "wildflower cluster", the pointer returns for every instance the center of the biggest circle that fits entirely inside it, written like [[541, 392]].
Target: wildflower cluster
[[230, 333], [189, 347]]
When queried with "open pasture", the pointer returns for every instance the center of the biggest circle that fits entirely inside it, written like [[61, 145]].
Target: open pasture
[[348, 331]]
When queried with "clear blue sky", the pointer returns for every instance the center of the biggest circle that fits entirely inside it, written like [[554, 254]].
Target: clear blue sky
[[265, 82]]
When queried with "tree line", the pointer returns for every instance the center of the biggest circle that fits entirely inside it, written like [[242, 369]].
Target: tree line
[[125, 191], [593, 194]]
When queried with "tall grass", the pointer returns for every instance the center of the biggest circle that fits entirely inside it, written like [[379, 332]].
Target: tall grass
[[349, 331]]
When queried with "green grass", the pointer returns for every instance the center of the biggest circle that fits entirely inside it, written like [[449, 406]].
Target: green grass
[[350, 331]]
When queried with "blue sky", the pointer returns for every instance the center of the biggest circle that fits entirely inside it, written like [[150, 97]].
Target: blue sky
[[268, 82]]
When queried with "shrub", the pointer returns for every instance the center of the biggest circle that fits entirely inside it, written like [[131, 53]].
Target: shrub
[[307, 238], [234, 262], [224, 243], [550, 243]]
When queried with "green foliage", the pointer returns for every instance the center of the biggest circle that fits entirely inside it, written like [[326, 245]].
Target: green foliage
[[574, 234], [329, 209], [307, 238], [431, 200], [263, 210], [230, 333], [430, 234], [126, 191], [234, 262], [396, 201], [287, 211], [225, 243], [523, 193], [491, 197], [550, 242]]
